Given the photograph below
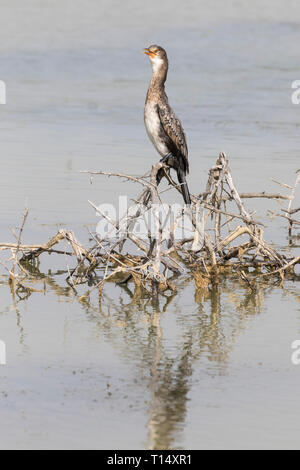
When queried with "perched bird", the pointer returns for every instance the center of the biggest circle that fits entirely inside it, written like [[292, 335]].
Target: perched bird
[[163, 127]]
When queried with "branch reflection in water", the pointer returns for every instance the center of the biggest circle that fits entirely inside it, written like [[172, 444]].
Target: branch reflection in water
[[164, 340]]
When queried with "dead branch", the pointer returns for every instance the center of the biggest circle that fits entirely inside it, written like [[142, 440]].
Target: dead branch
[[197, 239]]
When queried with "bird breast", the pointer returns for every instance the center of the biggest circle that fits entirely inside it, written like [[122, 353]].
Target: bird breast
[[154, 128]]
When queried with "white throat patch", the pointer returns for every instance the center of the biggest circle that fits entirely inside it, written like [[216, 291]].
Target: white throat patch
[[156, 63]]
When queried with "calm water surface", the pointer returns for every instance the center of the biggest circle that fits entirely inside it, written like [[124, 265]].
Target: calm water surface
[[191, 370]]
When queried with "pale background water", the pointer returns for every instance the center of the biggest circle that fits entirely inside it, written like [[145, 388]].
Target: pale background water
[[189, 372]]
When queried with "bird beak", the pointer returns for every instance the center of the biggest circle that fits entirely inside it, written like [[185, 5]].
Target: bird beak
[[149, 53]]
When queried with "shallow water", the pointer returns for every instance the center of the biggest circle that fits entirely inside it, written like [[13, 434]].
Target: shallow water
[[191, 371]]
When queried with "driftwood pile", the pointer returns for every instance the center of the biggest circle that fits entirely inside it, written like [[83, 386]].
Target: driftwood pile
[[220, 236]]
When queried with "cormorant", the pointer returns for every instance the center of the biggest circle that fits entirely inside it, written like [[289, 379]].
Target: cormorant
[[163, 127]]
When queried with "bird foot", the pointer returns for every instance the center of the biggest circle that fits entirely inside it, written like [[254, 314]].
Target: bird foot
[[167, 159]]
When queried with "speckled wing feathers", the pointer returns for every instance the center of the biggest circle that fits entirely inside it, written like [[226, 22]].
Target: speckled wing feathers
[[173, 128]]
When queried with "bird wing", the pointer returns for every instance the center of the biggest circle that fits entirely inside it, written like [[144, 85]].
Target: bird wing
[[173, 128]]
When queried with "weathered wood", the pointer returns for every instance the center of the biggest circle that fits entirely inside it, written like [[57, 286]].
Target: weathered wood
[[161, 255]]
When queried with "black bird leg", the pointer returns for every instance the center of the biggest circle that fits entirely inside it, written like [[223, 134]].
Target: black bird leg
[[172, 162], [165, 158]]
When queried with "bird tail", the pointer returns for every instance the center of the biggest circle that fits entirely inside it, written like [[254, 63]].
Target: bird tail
[[182, 181], [184, 187]]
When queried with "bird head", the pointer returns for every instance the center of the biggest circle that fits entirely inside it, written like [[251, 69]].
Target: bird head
[[158, 57]]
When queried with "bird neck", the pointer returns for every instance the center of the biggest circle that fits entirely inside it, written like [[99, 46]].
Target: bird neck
[[159, 76]]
